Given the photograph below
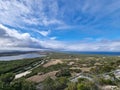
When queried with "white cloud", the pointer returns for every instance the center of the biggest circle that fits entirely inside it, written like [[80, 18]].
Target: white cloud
[[37, 13], [12, 39], [50, 22], [11, 12], [44, 33], [22, 13], [19, 13], [53, 38]]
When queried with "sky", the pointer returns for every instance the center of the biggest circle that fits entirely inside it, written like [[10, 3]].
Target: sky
[[66, 25]]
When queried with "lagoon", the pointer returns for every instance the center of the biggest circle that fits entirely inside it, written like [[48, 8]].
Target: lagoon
[[21, 56]]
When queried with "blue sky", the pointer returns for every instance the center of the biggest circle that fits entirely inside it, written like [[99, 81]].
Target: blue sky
[[72, 25]]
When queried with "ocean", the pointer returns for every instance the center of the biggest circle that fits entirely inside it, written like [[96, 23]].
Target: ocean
[[97, 53]]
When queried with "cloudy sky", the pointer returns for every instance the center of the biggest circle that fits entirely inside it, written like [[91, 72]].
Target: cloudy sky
[[73, 25]]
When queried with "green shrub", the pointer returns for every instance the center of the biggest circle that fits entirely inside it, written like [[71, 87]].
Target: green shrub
[[63, 72]]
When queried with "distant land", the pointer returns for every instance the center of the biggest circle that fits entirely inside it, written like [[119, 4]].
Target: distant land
[[13, 53]]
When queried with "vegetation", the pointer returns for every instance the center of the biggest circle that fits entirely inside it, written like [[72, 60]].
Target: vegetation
[[63, 73], [48, 69], [103, 81], [102, 69], [71, 86], [17, 65], [97, 71], [57, 84], [7, 82]]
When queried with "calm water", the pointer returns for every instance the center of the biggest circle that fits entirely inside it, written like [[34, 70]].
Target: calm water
[[22, 56]]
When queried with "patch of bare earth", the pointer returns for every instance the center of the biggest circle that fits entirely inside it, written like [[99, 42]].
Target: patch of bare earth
[[87, 69], [40, 78], [110, 87], [83, 69], [52, 62]]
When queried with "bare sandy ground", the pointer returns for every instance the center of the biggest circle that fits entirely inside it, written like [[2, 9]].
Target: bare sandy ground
[[40, 78], [22, 74], [110, 87], [52, 62]]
